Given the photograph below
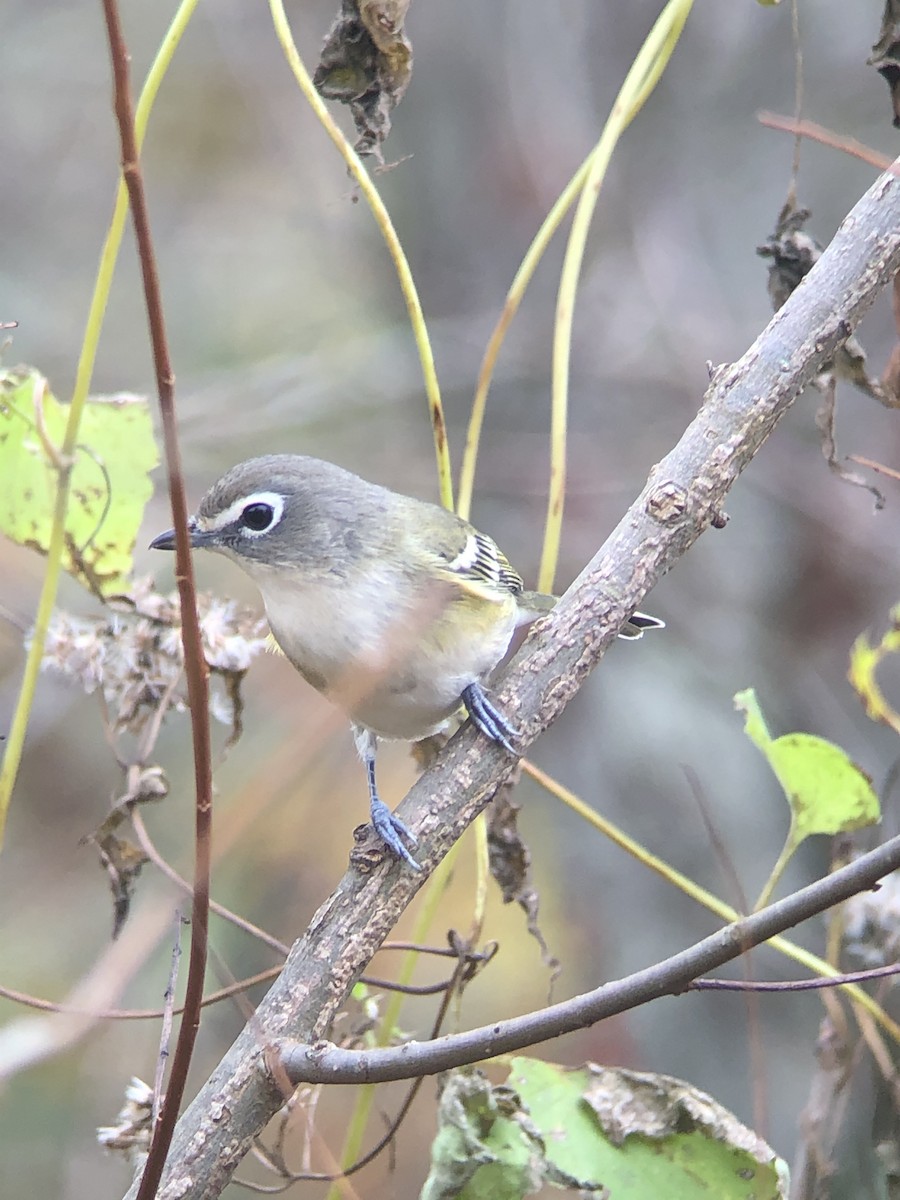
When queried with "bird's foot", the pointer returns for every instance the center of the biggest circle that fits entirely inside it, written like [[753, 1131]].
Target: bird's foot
[[393, 832], [488, 718]]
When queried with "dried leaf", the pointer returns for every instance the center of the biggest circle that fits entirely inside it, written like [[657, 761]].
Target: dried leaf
[[366, 63], [122, 861], [825, 425], [132, 1131], [792, 251], [510, 861], [645, 1135], [487, 1146], [134, 656], [885, 56], [794, 254]]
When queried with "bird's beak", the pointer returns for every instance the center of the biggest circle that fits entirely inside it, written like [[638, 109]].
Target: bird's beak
[[166, 541]]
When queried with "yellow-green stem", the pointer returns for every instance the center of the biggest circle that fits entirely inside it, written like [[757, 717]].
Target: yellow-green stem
[[812, 962], [643, 76], [787, 853], [514, 298], [383, 220], [12, 758]]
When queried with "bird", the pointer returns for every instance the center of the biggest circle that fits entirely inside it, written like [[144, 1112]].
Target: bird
[[394, 608]]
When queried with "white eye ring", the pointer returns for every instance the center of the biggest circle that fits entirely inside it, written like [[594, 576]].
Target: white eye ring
[[270, 500]]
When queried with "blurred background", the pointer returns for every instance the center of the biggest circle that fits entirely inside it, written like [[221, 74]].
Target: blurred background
[[288, 332]]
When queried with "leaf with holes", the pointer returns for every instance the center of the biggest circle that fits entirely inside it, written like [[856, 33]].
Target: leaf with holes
[[644, 1135]]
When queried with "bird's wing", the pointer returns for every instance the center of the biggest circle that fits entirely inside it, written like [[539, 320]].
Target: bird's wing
[[479, 567]]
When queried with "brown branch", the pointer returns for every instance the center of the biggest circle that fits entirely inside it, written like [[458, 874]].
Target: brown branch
[[148, 846], [818, 133], [682, 497], [135, 1014], [194, 662]]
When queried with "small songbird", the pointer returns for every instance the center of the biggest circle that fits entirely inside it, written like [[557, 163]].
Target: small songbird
[[394, 608]]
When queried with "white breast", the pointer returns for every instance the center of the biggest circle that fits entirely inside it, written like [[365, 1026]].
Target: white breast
[[399, 669]]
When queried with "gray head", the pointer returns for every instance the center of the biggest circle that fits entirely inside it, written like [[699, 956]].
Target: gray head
[[285, 511]]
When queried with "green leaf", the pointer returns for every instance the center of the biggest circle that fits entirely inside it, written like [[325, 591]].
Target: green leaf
[[645, 1135], [487, 1148], [110, 482], [826, 791]]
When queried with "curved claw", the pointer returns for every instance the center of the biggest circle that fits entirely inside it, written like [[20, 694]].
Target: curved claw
[[391, 830], [489, 719]]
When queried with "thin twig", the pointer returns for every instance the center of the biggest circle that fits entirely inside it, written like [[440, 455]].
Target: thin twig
[[135, 1014], [798, 101], [149, 848], [874, 466], [818, 133], [792, 985], [407, 989], [394, 1125], [165, 1032]]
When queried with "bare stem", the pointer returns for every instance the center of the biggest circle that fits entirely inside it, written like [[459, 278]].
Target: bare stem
[[194, 662]]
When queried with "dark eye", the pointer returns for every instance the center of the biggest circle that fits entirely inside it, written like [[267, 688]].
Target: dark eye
[[257, 517]]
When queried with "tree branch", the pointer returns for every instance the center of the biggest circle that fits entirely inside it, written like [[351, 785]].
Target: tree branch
[[326, 1063], [681, 498]]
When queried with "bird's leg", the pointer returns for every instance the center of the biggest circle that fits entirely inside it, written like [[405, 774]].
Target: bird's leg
[[489, 719], [388, 827]]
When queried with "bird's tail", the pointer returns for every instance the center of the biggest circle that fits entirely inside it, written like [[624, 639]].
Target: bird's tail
[[537, 604], [637, 623]]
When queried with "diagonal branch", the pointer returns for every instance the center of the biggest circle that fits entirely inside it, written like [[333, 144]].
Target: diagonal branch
[[681, 498]]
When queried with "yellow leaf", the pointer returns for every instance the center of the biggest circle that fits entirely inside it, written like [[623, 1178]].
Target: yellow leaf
[[110, 483], [864, 662]]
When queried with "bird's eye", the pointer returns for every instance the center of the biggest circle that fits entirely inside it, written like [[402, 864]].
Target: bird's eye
[[258, 517]]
